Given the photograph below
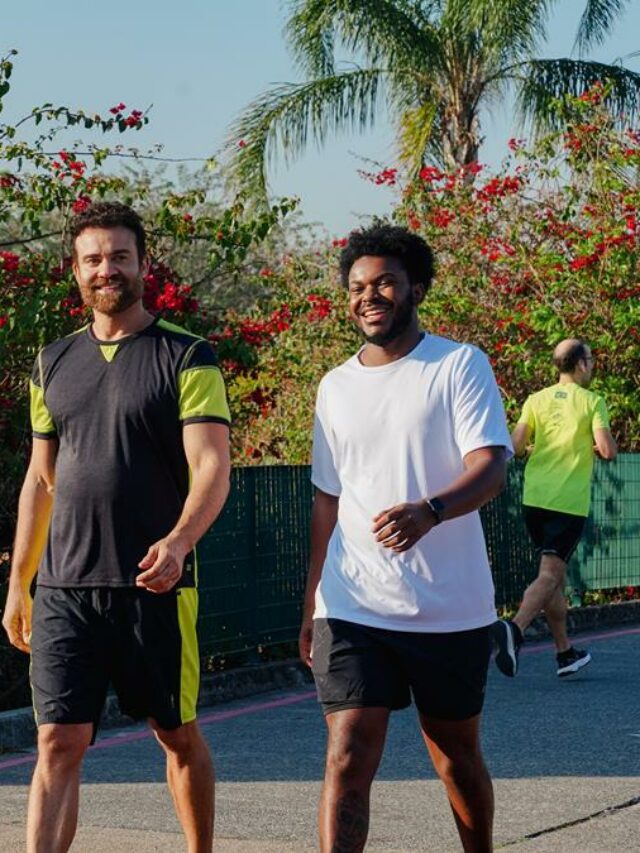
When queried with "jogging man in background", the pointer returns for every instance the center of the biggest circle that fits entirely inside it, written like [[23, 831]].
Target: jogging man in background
[[567, 425], [129, 468], [410, 439]]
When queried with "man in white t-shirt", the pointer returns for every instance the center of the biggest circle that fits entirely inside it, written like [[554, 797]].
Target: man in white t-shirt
[[410, 439]]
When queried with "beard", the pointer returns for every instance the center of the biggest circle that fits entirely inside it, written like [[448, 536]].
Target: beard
[[400, 323], [129, 291]]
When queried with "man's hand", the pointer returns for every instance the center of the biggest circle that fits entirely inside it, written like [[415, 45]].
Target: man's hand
[[401, 526], [162, 564], [16, 619], [305, 640]]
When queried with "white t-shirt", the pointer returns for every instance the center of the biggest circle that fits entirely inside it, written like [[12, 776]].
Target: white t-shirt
[[394, 433]]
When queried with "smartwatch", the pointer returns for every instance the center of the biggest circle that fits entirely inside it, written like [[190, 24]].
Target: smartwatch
[[437, 508]]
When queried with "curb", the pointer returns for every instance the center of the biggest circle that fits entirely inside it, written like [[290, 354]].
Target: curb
[[18, 728], [589, 618]]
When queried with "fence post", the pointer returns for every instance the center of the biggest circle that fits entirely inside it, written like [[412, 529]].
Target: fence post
[[252, 482]]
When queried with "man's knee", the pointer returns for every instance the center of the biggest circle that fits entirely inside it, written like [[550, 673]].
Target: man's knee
[[460, 770], [64, 745], [352, 755], [184, 743], [552, 569]]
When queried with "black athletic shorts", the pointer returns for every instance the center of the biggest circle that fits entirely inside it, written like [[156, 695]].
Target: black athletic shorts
[[357, 666], [554, 532], [141, 643]]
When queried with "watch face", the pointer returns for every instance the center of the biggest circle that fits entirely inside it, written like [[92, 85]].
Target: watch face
[[437, 508]]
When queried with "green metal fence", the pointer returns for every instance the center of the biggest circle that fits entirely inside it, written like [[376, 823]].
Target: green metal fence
[[252, 564]]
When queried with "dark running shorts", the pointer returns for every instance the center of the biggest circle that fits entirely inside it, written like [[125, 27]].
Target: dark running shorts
[[357, 666], [554, 532], [141, 643]]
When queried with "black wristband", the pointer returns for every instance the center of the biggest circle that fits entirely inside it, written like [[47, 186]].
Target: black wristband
[[437, 508]]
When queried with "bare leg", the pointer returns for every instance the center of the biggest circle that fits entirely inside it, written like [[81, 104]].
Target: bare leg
[[52, 815], [191, 782], [454, 747], [551, 577], [555, 612], [356, 741]]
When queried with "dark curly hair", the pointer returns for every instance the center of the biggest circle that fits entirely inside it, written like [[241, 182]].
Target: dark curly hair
[[385, 240], [108, 214]]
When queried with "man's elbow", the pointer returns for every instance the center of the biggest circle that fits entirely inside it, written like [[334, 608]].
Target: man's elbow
[[500, 480]]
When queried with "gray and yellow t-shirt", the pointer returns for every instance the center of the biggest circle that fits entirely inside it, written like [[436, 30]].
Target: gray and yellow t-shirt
[[117, 410]]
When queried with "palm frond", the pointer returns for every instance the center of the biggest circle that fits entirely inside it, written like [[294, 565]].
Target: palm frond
[[510, 28], [415, 135], [389, 32], [596, 22], [284, 118], [543, 81]]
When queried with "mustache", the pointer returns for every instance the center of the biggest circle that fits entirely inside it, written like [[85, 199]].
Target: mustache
[[113, 279]]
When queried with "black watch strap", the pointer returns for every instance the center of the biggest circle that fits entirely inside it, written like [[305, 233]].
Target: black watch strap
[[437, 508]]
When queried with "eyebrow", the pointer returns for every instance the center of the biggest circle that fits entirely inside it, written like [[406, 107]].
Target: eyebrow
[[89, 255], [383, 275]]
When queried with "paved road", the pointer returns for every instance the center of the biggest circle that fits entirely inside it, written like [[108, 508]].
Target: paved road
[[564, 755]]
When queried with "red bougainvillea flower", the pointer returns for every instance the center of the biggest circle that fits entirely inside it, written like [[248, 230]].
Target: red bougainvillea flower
[[81, 204]]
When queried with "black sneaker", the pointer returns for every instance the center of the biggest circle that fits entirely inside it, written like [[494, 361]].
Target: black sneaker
[[508, 639], [571, 661]]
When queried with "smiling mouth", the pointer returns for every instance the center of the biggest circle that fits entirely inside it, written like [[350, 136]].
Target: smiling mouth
[[112, 287], [374, 315]]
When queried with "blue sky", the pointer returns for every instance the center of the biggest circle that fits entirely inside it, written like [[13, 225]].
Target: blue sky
[[199, 62]]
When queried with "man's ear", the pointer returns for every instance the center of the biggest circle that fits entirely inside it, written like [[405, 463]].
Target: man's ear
[[419, 292], [144, 265], [74, 267]]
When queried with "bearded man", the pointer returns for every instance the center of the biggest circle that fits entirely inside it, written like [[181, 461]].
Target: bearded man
[[410, 439], [129, 468]]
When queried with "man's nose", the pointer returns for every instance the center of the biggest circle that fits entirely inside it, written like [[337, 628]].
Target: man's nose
[[370, 291], [106, 268]]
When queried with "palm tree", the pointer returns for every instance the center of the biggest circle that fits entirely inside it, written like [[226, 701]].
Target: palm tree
[[434, 63]]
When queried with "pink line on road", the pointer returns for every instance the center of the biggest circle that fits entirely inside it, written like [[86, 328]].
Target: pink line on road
[[207, 719], [256, 707]]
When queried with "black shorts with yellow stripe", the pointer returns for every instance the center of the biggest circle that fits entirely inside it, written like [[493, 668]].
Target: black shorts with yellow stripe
[[142, 644]]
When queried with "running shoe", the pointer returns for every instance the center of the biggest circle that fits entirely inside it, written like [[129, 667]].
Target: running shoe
[[571, 661], [508, 639]]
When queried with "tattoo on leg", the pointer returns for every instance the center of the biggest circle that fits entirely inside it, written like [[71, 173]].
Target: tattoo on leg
[[352, 814]]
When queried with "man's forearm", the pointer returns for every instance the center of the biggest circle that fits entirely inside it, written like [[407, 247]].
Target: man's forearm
[[324, 516], [204, 503], [482, 480], [34, 514]]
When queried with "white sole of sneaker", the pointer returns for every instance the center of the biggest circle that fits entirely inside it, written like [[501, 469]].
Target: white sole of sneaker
[[574, 667]]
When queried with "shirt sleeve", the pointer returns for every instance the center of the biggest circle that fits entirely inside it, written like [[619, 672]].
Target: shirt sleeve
[[202, 396], [600, 415], [324, 474], [479, 418], [42, 425]]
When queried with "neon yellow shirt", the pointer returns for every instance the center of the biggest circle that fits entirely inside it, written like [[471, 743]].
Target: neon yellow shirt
[[562, 420]]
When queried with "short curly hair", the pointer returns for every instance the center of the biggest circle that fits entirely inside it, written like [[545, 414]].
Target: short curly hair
[[109, 214], [382, 239]]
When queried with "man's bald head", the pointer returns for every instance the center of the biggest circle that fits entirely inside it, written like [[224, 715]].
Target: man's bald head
[[569, 353]]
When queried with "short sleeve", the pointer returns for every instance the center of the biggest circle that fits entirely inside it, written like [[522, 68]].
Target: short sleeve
[[202, 395], [600, 415], [42, 425], [479, 418], [324, 474]]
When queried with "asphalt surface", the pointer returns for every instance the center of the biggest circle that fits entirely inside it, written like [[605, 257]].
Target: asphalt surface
[[564, 755]]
